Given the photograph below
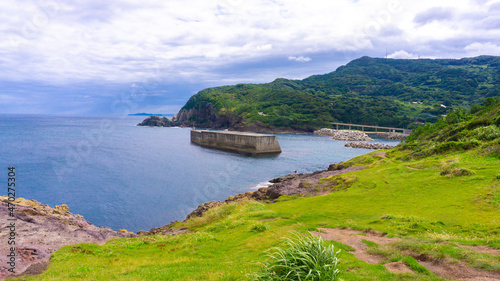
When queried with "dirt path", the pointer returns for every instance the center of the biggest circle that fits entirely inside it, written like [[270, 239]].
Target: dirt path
[[380, 153], [354, 239], [483, 249]]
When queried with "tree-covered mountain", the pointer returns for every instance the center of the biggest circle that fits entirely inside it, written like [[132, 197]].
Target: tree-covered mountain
[[370, 91]]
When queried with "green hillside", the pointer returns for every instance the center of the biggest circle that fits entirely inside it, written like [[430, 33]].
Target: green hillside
[[370, 91], [435, 199]]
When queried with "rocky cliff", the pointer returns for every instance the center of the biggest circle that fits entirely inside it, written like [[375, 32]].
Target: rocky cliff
[[41, 230]]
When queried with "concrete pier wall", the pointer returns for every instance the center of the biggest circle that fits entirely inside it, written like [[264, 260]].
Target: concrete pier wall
[[237, 141]]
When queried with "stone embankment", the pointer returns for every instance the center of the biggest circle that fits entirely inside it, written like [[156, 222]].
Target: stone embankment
[[368, 145], [344, 135], [41, 230], [392, 136]]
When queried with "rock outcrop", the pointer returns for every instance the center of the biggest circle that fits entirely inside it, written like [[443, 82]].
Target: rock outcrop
[[344, 134], [368, 145], [155, 121], [41, 230]]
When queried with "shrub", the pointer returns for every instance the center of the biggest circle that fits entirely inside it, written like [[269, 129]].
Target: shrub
[[258, 227], [456, 145], [304, 258], [458, 172], [486, 133]]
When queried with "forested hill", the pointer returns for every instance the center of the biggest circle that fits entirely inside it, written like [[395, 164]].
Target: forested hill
[[374, 91]]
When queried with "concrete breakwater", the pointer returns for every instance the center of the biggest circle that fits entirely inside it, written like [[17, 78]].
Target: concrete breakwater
[[344, 135], [368, 145], [236, 141]]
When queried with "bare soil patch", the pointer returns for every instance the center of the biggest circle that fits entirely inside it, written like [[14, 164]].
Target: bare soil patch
[[398, 267], [460, 271], [483, 249], [380, 153]]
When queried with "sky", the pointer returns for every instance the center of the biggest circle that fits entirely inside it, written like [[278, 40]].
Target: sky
[[118, 57]]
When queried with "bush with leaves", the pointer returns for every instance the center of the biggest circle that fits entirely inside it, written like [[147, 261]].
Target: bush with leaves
[[304, 258]]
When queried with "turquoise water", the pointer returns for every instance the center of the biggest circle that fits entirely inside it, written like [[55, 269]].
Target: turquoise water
[[119, 175]]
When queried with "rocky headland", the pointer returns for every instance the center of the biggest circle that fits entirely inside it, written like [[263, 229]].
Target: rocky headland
[[41, 230], [346, 135], [368, 145]]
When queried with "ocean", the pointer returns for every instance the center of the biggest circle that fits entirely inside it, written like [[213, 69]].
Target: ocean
[[122, 176]]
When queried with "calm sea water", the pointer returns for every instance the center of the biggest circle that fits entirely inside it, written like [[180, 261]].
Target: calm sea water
[[119, 175]]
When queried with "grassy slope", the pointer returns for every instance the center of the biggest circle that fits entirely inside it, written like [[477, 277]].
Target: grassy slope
[[403, 196]]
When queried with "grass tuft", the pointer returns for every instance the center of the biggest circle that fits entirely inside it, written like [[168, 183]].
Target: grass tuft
[[304, 258]]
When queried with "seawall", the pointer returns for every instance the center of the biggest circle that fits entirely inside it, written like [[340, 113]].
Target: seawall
[[236, 141]]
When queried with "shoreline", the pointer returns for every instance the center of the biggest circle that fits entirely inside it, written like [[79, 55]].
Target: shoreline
[[65, 228]]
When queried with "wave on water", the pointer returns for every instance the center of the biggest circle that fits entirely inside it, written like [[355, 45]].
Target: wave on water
[[260, 185]]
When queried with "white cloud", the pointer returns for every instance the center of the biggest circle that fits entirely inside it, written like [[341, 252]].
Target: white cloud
[[299, 59], [488, 48], [401, 55], [125, 41]]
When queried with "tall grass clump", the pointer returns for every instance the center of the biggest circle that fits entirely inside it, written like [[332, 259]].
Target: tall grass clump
[[304, 258]]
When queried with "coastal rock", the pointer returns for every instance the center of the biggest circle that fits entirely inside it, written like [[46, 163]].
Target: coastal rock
[[260, 194], [155, 121], [203, 208], [41, 230], [165, 230], [285, 178], [368, 145], [338, 167], [392, 136], [344, 134]]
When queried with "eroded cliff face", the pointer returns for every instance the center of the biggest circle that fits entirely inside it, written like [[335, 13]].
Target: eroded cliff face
[[206, 116]]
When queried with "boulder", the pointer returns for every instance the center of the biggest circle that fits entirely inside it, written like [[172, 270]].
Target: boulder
[[338, 167]]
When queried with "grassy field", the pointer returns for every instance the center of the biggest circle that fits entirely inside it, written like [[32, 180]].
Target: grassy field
[[453, 197]]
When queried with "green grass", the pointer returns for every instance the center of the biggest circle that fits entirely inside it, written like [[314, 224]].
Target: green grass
[[433, 214], [304, 258]]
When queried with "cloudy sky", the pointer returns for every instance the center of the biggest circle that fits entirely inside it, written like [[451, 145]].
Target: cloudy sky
[[117, 57]]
